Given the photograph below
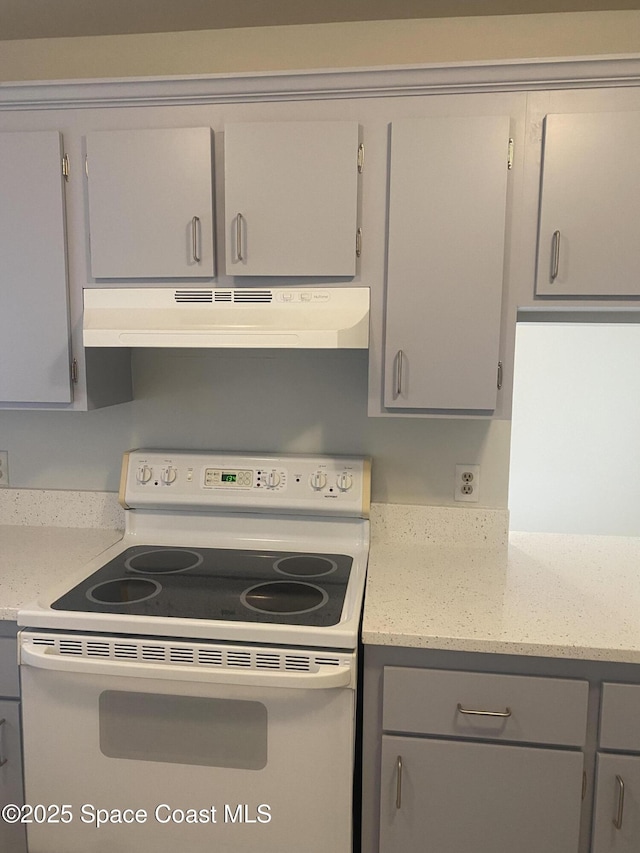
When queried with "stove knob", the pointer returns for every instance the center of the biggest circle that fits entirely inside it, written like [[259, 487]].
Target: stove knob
[[344, 481], [272, 480], [143, 474], [168, 475], [318, 480]]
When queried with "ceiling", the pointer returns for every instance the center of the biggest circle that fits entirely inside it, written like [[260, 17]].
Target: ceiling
[[31, 19]]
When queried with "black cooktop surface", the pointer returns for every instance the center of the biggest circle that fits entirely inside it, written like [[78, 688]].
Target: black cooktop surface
[[217, 583]]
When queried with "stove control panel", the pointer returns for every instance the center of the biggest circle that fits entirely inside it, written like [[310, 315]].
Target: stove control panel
[[322, 485]]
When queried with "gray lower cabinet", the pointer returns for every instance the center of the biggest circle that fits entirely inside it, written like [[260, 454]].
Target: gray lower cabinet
[[616, 827], [12, 835], [616, 824], [476, 761], [454, 796]]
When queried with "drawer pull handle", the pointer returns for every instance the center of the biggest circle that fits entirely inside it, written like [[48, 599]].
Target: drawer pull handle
[[505, 713], [399, 782], [3, 760], [617, 821]]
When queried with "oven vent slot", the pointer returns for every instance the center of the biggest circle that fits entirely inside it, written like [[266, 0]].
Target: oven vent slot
[[210, 657], [43, 641], [98, 649], [223, 296], [326, 661], [266, 661], [297, 663], [239, 659], [153, 653], [194, 296], [70, 647], [181, 655], [128, 651]]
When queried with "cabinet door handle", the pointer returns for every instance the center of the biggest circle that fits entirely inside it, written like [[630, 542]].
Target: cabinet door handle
[[239, 220], [617, 821], [555, 255], [195, 223], [3, 760], [505, 713], [399, 366], [399, 782]]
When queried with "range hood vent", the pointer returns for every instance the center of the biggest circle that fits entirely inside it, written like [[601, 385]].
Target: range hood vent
[[307, 318], [241, 296]]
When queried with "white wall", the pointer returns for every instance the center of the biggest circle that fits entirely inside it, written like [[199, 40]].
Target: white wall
[[339, 45], [575, 442], [295, 402]]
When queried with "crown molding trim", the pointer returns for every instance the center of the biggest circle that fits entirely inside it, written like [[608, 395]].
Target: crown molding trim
[[512, 75]]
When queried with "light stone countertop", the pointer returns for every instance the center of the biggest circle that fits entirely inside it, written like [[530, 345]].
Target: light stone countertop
[[35, 558], [439, 577], [46, 535], [549, 595]]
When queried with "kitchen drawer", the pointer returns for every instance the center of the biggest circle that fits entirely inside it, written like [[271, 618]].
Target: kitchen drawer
[[515, 708], [9, 684], [620, 717]]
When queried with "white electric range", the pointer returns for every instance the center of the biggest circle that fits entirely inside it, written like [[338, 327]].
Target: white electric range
[[202, 671]]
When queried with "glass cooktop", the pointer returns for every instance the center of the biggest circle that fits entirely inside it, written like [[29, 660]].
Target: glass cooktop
[[216, 583]]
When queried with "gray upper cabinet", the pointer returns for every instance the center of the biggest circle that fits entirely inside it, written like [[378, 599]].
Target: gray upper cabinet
[[34, 319], [448, 191], [291, 198], [589, 231], [151, 203]]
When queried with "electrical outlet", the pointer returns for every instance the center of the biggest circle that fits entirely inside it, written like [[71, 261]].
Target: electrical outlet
[[4, 468], [467, 483]]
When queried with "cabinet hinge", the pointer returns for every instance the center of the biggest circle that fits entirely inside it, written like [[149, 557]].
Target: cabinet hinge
[[499, 375], [74, 371], [361, 158], [358, 242], [510, 155], [65, 167]]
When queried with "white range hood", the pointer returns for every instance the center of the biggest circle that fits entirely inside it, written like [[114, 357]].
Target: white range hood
[[305, 317]]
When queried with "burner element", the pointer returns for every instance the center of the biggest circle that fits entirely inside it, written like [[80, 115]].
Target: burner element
[[123, 591], [284, 597], [305, 565], [163, 561]]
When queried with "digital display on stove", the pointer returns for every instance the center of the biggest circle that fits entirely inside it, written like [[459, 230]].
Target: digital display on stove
[[283, 587], [216, 477]]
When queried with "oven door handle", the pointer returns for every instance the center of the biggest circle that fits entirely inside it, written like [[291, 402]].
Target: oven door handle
[[324, 677]]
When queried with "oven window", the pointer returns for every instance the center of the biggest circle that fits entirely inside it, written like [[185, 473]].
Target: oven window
[[183, 729]]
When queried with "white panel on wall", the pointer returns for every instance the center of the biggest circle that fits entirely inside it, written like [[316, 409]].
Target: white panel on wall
[[575, 448]]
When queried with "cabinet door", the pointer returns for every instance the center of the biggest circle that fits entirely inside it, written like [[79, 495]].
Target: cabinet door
[[480, 797], [445, 262], [34, 313], [291, 191], [616, 826], [151, 203], [12, 836], [589, 229]]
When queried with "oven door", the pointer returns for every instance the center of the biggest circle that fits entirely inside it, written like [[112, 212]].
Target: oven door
[[216, 751]]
